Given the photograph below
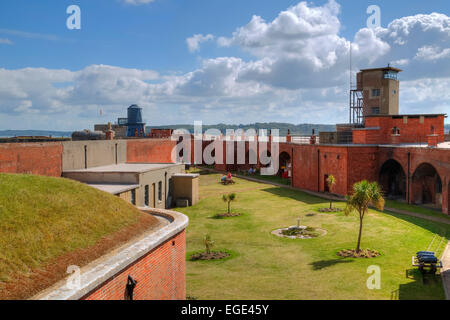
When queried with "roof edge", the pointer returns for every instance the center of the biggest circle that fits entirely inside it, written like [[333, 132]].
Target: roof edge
[[101, 270]]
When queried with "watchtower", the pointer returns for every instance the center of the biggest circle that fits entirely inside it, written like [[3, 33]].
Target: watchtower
[[376, 93]]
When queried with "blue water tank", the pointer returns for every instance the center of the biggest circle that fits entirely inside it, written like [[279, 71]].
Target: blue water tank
[[135, 126], [134, 114]]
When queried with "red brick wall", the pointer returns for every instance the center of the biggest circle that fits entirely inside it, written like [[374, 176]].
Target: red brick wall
[[35, 158], [411, 132], [310, 167], [150, 150], [160, 275], [160, 133], [362, 165]]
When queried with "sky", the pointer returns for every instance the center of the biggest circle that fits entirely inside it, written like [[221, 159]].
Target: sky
[[214, 61]]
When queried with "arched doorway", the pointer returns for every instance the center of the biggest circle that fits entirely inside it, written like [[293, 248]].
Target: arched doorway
[[427, 186], [392, 180], [285, 165]]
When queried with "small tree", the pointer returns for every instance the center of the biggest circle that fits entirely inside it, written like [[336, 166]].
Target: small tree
[[229, 198], [364, 194], [331, 180], [208, 243]]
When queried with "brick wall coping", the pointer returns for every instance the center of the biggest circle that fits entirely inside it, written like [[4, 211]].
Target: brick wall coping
[[102, 269], [366, 129]]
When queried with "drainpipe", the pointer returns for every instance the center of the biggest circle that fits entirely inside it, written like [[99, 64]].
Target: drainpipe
[[318, 170], [292, 167], [408, 198]]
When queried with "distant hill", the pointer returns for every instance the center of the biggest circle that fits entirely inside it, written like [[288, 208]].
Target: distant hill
[[18, 133], [299, 129]]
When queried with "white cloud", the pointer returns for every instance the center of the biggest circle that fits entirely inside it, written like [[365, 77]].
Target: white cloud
[[194, 42], [401, 62], [5, 41], [298, 72], [432, 53], [29, 35]]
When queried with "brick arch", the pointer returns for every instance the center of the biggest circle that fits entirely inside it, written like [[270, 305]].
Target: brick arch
[[416, 163], [426, 187], [393, 179]]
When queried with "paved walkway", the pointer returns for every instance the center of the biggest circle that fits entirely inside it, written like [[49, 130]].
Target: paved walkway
[[445, 272], [338, 198]]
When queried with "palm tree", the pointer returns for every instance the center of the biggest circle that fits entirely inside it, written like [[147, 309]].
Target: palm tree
[[331, 180], [364, 195], [208, 243], [229, 198]]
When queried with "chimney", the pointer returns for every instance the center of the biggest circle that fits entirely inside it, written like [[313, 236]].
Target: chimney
[[313, 139], [288, 137], [110, 133]]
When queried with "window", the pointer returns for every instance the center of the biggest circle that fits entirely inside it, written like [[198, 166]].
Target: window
[[376, 110], [133, 197], [393, 75], [146, 196], [376, 92], [160, 191]]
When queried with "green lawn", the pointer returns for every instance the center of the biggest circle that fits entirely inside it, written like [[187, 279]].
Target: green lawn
[[275, 179], [416, 209], [43, 219], [264, 266]]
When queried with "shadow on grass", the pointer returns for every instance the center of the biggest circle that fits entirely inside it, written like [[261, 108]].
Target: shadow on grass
[[440, 229], [295, 195], [319, 265], [421, 288]]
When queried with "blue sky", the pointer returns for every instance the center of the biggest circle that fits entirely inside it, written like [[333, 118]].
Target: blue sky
[[125, 53]]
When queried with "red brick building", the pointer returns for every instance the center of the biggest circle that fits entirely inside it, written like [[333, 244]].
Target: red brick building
[[407, 154]]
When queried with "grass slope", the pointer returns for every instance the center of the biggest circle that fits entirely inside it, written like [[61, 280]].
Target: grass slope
[[268, 267], [44, 218]]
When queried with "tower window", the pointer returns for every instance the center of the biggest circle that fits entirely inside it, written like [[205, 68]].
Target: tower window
[[390, 75], [376, 92], [376, 110]]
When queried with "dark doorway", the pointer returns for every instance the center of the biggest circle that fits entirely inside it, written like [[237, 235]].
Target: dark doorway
[[285, 165], [427, 186], [325, 183], [393, 180]]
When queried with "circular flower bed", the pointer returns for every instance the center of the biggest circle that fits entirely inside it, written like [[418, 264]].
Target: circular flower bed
[[301, 232], [330, 210], [367, 253], [227, 215], [213, 255]]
